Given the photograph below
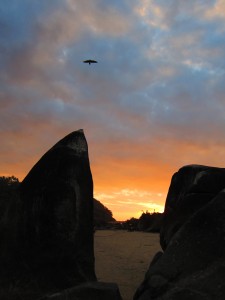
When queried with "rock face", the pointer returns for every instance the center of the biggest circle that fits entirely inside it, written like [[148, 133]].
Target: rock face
[[191, 188], [193, 238], [46, 229], [89, 291], [57, 216]]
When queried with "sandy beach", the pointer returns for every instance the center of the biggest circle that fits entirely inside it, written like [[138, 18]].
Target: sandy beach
[[123, 257]]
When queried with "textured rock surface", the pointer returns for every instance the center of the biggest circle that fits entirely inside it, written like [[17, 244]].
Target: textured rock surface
[[46, 230], [193, 264], [88, 291], [57, 223], [191, 188]]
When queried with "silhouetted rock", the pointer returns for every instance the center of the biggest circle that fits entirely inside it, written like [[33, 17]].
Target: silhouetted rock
[[47, 233], [46, 229], [89, 291], [193, 264], [57, 205], [191, 188]]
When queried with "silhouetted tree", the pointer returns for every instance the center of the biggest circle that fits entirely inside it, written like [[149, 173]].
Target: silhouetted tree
[[9, 213], [131, 224], [8, 183], [8, 191], [150, 221], [102, 215]]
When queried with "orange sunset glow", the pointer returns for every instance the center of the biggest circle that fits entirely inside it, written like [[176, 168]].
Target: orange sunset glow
[[153, 103]]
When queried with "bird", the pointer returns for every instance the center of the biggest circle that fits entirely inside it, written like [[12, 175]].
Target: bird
[[90, 61]]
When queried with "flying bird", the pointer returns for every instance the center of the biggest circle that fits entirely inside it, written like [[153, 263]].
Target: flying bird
[[90, 61]]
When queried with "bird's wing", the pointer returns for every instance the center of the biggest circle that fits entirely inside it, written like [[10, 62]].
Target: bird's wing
[[90, 61]]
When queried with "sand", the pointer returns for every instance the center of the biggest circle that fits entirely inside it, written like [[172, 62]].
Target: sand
[[123, 257]]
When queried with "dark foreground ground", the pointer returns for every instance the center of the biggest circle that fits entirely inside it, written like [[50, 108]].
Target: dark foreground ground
[[123, 257]]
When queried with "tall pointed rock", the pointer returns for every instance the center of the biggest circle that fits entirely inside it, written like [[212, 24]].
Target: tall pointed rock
[[57, 222]]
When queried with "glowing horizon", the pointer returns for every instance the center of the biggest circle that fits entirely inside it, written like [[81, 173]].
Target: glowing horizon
[[124, 203], [130, 204]]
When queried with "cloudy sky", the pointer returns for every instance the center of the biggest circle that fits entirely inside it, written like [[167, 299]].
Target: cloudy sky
[[153, 103]]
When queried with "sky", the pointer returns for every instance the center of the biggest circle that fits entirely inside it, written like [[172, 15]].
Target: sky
[[154, 102]]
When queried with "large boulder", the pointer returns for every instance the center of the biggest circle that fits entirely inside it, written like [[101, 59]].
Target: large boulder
[[193, 263], [51, 224], [191, 188], [88, 291], [57, 206]]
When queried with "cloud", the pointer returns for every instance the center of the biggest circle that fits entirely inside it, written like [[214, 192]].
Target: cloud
[[131, 202], [216, 10], [154, 102]]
